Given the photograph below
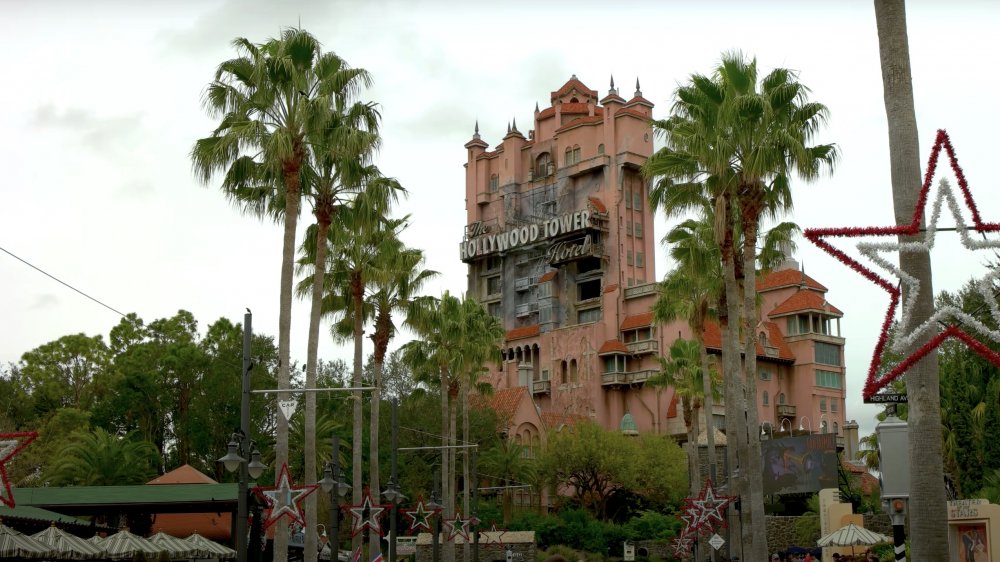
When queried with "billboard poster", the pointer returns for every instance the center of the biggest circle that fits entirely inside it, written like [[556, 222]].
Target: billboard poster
[[974, 547], [799, 465]]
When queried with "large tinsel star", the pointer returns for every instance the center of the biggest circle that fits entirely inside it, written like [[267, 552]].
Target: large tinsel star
[[458, 527], [283, 499], [707, 509], [10, 445], [909, 332], [420, 516], [682, 546], [366, 516], [493, 535]]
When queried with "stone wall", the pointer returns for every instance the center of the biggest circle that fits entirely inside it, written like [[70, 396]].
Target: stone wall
[[781, 532], [521, 545]]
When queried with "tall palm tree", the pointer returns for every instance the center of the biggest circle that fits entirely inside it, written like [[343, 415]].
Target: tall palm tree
[[690, 292], [268, 99], [336, 164], [928, 500], [507, 463], [737, 140], [682, 370]]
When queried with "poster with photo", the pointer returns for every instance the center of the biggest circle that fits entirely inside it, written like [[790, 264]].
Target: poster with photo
[[973, 543], [796, 465]]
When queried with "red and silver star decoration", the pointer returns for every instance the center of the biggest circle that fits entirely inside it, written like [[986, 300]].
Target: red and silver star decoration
[[10, 445], [366, 515], [458, 527], [284, 499], [493, 535], [420, 516], [948, 316], [708, 509], [682, 546]]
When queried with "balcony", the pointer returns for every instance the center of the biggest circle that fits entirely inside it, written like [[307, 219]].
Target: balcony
[[541, 387], [524, 283], [484, 198], [643, 347], [525, 309], [614, 379], [640, 377], [640, 291], [784, 411]]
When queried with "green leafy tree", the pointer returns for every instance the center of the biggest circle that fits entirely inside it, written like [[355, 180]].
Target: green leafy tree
[[507, 465], [99, 458], [62, 373]]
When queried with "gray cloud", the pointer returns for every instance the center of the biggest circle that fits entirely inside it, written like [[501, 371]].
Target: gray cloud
[[98, 133]]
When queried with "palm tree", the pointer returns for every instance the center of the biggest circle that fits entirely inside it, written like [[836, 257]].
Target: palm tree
[[268, 100], [508, 464], [928, 501], [735, 143], [682, 370], [99, 458]]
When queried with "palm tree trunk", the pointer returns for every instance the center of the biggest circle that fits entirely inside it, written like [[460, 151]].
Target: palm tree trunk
[[292, 196], [734, 394], [709, 401], [928, 503], [357, 437], [374, 539], [692, 445], [312, 353], [445, 468], [466, 475], [449, 547], [753, 474]]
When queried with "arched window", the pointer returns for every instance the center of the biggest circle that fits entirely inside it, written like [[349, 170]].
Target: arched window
[[822, 426], [781, 399], [569, 156], [543, 165], [766, 398], [562, 372], [573, 377], [600, 148], [836, 428], [576, 154]]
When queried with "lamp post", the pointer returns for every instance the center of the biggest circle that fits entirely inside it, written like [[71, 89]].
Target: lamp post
[[392, 492], [781, 426], [768, 425], [242, 451], [893, 450], [823, 426], [333, 483], [435, 504], [803, 427]]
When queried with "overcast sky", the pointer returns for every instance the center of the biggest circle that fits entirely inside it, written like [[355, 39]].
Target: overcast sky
[[101, 105]]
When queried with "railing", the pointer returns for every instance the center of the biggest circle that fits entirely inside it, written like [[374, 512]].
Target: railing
[[526, 308], [640, 290], [614, 379], [524, 283], [639, 377], [784, 411], [541, 387], [770, 351], [646, 346]]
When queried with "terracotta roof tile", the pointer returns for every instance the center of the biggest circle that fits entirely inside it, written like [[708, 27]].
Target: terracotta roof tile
[[505, 402], [713, 340], [805, 300], [672, 408], [525, 332], [787, 278], [639, 100], [184, 474], [612, 346], [573, 83], [631, 112], [546, 113], [547, 276], [868, 481], [612, 97], [580, 121], [554, 420], [637, 321], [489, 154], [598, 205], [568, 108], [611, 288]]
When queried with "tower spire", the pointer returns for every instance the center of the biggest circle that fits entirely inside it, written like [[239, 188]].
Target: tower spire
[[508, 127], [476, 134], [638, 92], [536, 106], [514, 127], [612, 91]]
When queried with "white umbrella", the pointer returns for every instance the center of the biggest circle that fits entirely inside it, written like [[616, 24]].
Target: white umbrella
[[14, 544], [210, 549], [67, 545], [175, 547], [852, 535], [123, 545]]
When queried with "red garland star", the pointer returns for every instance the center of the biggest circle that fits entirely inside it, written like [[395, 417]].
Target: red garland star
[[420, 516], [497, 535], [682, 546], [284, 499], [366, 515], [706, 510], [817, 236], [10, 445], [458, 527]]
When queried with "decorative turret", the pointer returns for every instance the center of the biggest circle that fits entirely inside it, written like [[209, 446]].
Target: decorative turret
[[476, 141], [612, 96]]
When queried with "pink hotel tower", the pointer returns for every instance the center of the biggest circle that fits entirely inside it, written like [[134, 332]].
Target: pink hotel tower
[[560, 246]]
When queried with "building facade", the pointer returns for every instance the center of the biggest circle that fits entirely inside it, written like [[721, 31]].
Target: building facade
[[559, 244]]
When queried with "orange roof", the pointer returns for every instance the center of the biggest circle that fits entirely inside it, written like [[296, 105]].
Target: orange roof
[[611, 288], [637, 321], [573, 82], [805, 300], [490, 154], [632, 112], [505, 402], [639, 100], [612, 346], [713, 340], [598, 205], [547, 276], [612, 97], [574, 108], [546, 113], [595, 120], [787, 278], [525, 332], [672, 408], [868, 481], [184, 474]]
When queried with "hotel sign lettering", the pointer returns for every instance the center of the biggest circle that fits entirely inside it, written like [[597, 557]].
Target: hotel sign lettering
[[566, 251], [483, 242]]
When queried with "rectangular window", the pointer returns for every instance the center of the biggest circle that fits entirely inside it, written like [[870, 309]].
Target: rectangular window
[[631, 281], [494, 183], [590, 315], [822, 404], [588, 290], [495, 310], [827, 353], [638, 229], [640, 260], [829, 379], [765, 375], [628, 228], [804, 327], [834, 406], [792, 324], [637, 200], [628, 258], [628, 198], [493, 285]]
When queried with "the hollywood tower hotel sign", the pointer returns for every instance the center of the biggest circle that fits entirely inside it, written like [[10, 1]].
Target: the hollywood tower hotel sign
[[481, 242]]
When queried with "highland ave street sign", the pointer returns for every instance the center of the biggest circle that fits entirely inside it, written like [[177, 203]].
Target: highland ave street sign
[[886, 399], [504, 240]]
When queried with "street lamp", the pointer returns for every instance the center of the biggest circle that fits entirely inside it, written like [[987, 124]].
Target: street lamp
[[435, 505], [241, 448], [392, 492], [802, 427], [781, 426], [770, 426], [333, 483], [823, 424]]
